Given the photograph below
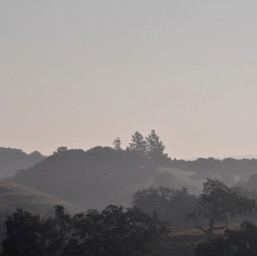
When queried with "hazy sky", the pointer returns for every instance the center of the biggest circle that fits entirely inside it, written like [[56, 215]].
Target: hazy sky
[[80, 73]]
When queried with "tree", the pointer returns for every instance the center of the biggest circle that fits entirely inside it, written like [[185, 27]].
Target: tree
[[29, 235], [117, 144], [57, 231], [170, 205], [138, 146], [155, 149], [111, 232], [115, 232], [61, 149], [24, 235], [217, 203], [138, 143], [234, 242]]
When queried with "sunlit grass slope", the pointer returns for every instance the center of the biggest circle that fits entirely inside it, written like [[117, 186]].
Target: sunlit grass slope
[[13, 196], [182, 178]]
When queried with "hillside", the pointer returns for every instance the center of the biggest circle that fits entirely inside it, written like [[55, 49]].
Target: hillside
[[13, 196], [100, 176], [229, 170], [12, 160]]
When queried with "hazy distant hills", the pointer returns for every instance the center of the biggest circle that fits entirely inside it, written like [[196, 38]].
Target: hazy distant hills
[[92, 179], [12, 160], [13, 196], [229, 170], [103, 176], [95, 178]]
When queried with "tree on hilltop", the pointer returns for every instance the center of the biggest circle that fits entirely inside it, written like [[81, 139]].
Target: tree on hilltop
[[155, 149], [117, 144], [138, 147], [138, 143]]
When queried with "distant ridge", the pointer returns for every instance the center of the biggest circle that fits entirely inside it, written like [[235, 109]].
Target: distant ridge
[[12, 160], [102, 175]]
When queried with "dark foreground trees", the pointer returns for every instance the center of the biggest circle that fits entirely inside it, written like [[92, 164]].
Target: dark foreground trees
[[234, 243], [217, 203], [114, 231], [29, 235], [170, 205]]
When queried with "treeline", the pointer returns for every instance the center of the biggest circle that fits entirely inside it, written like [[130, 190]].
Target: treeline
[[103, 175], [151, 148], [217, 204], [141, 230], [111, 232], [92, 179], [240, 242], [98, 175], [148, 150], [225, 168], [169, 204], [142, 151]]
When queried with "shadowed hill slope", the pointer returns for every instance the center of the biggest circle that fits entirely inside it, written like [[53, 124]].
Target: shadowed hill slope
[[103, 175], [100, 176]]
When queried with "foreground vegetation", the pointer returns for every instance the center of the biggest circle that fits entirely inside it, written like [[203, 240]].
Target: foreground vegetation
[[136, 231], [111, 232], [156, 184]]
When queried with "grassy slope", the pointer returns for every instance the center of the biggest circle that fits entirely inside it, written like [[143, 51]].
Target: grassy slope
[[14, 196], [166, 177], [181, 178]]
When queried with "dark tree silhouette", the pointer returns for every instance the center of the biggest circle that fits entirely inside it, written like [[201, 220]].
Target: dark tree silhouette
[[138, 147], [138, 143], [24, 235], [217, 203], [115, 232], [235, 242], [29, 235], [155, 149], [170, 205], [61, 149], [111, 232], [117, 144]]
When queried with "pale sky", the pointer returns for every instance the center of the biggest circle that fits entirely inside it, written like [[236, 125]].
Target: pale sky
[[81, 73]]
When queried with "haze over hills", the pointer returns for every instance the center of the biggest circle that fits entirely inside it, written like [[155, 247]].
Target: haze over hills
[[12, 159], [15, 196], [102, 175], [93, 179], [145, 178]]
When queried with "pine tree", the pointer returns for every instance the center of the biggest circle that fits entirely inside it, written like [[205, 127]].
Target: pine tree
[[155, 149], [117, 144], [138, 143]]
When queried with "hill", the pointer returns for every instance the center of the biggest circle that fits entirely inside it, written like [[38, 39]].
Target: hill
[[13, 196], [12, 160], [100, 176], [229, 170]]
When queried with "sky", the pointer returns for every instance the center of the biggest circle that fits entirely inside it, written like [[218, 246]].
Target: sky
[[81, 73]]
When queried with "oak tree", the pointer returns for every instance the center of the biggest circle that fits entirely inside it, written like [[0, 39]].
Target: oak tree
[[217, 203]]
